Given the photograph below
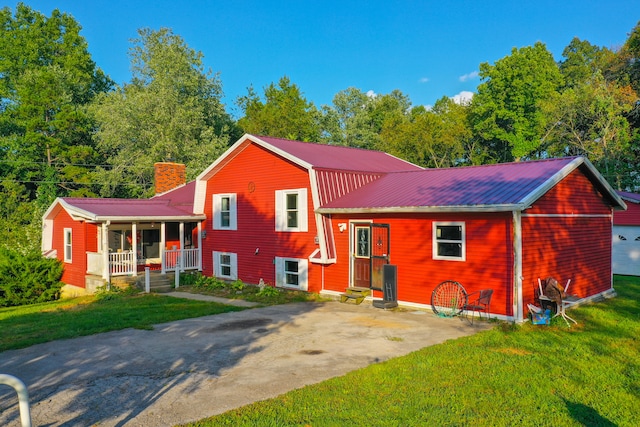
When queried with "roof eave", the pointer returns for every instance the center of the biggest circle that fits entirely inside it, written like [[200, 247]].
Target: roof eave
[[532, 197], [424, 209], [116, 218]]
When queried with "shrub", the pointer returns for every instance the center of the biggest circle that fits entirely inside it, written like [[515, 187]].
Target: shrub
[[190, 278], [28, 279]]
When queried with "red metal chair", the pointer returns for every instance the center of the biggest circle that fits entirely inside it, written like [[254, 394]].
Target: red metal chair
[[481, 303]]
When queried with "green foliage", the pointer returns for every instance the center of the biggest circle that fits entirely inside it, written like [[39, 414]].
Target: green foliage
[[28, 279], [190, 278], [268, 291], [506, 112], [171, 111], [284, 113]]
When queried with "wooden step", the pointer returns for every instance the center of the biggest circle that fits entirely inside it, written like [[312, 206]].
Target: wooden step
[[357, 294]]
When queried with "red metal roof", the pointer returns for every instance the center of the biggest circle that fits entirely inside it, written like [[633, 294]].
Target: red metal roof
[[181, 197], [335, 157], [476, 186], [630, 197], [123, 208]]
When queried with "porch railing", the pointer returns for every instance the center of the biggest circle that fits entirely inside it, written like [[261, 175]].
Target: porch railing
[[121, 263], [189, 259]]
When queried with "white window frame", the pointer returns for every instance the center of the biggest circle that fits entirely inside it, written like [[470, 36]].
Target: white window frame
[[303, 273], [302, 210], [68, 245], [436, 240], [217, 211], [218, 265]]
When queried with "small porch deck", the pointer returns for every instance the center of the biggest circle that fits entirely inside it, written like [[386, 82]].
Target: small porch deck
[[125, 263]]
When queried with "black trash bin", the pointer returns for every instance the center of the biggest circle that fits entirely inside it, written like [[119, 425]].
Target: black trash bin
[[389, 287]]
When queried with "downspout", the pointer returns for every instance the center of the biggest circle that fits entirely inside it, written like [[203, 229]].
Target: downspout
[[517, 267]]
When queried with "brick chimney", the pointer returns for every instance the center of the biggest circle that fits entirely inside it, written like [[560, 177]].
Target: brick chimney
[[169, 175]]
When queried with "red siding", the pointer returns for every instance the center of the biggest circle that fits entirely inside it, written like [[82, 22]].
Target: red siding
[[488, 264], [74, 273], [576, 248], [568, 247], [267, 173], [573, 195], [629, 217]]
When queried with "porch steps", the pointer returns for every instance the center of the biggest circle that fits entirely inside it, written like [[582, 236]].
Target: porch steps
[[158, 282], [357, 294]]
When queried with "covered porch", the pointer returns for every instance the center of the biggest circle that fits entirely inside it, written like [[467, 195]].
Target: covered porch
[[126, 249]]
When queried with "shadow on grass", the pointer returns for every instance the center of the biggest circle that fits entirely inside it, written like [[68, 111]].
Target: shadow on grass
[[586, 415]]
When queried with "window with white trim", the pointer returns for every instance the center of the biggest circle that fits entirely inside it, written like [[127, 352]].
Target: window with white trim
[[225, 212], [68, 245], [449, 241], [225, 265], [292, 273], [291, 210]]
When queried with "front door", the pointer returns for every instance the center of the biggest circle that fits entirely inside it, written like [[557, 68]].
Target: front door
[[369, 252]]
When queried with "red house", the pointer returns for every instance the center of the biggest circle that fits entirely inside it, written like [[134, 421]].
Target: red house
[[98, 239], [322, 218]]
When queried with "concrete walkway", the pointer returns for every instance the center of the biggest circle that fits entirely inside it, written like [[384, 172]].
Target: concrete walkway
[[189, 369], [200, 297]]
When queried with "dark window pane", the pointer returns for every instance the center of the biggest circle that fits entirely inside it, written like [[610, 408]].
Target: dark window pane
[[450, 232], [292, 219], [225, 219], [450, 249], [292, 201]]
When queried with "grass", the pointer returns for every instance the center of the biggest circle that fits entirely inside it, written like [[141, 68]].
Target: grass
[[24, 326], [588, 374], [69, 318]]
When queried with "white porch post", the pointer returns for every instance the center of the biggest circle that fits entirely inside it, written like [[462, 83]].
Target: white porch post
[[105, 250], [163, 245], [181, 256], [134, 240], [200, 246]]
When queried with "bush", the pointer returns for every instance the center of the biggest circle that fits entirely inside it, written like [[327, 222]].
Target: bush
[[28, 279]]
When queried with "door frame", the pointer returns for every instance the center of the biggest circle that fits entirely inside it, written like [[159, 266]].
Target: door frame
[[384, 256]]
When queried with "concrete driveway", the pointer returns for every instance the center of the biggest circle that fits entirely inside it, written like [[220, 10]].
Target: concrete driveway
[[189, 369]]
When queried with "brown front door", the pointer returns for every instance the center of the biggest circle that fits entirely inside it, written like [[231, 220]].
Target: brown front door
[[370, 251]]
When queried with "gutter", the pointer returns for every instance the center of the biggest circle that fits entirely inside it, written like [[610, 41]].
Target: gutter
[[424, 209]]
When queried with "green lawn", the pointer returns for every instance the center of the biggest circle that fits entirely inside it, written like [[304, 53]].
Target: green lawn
[[512, 375], [69, 318]]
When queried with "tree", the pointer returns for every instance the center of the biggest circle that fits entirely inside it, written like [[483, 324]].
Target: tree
[[589, 119], [583, 62], [506, 112], [436, 138], [47, 77], [284, 113], [361, 116], [171, 111]]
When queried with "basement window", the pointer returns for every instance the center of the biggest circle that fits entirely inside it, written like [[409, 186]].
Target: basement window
[[449, 241], [225, 265]]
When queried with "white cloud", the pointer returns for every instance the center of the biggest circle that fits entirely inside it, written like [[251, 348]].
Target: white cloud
[[470, 76], [463, 98], [424, 80], [371, 94]]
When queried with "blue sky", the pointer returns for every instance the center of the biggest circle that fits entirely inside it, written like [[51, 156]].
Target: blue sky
[[427, 49]]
